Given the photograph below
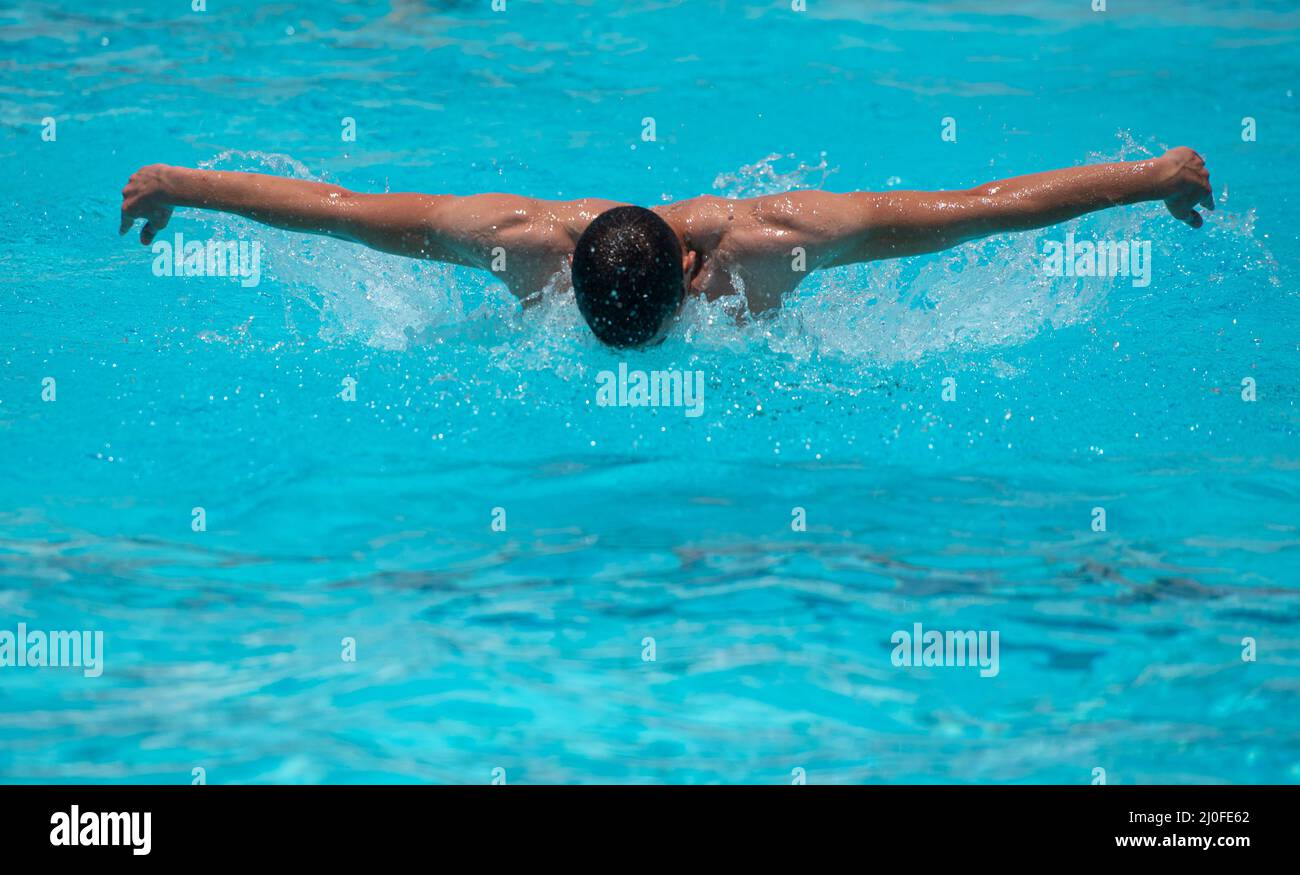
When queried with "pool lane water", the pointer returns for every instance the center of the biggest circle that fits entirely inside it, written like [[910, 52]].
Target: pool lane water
[[650, 612]]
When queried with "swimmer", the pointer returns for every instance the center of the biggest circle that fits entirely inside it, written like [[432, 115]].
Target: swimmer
[[631, 268]]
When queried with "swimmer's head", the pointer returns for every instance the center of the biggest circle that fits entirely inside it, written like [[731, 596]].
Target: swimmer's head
[[628, 276]]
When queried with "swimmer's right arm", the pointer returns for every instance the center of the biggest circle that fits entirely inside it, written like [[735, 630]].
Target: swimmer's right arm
[[900, 223], [459, 230]]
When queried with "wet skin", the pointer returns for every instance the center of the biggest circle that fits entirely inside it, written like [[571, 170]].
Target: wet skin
[[729, 245]]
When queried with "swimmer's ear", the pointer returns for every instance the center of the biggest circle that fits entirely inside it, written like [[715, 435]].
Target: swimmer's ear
[[688, 263]]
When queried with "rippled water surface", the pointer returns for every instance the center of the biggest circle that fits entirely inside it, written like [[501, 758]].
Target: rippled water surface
[[525, 650]]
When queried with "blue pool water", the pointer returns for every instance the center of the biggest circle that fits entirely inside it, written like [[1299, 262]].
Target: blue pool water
[[523, 650]]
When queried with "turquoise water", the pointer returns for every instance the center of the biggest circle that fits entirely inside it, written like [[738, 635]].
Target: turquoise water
[[523, 650]]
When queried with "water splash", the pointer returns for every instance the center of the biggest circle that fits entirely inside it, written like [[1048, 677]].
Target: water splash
[[762, 177], [985, 295], [381, 299]]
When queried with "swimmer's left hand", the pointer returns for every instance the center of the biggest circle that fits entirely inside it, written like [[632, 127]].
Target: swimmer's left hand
[[145, 197]]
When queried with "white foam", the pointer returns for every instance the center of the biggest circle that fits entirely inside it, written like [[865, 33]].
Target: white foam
[[983, 295]]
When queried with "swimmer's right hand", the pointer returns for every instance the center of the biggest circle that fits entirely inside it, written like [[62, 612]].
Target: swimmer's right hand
[[1184, 184], [146, 197]]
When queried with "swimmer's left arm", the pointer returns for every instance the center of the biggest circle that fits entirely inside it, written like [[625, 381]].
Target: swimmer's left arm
[[473, 230], [867, 226], [436, 227]]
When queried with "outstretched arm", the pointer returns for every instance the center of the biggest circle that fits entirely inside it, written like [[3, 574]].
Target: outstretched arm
[[837, 229], [908, 223], [522, 240]]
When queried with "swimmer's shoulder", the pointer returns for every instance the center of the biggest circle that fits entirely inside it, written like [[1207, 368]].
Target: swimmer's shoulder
[[700, 218]]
